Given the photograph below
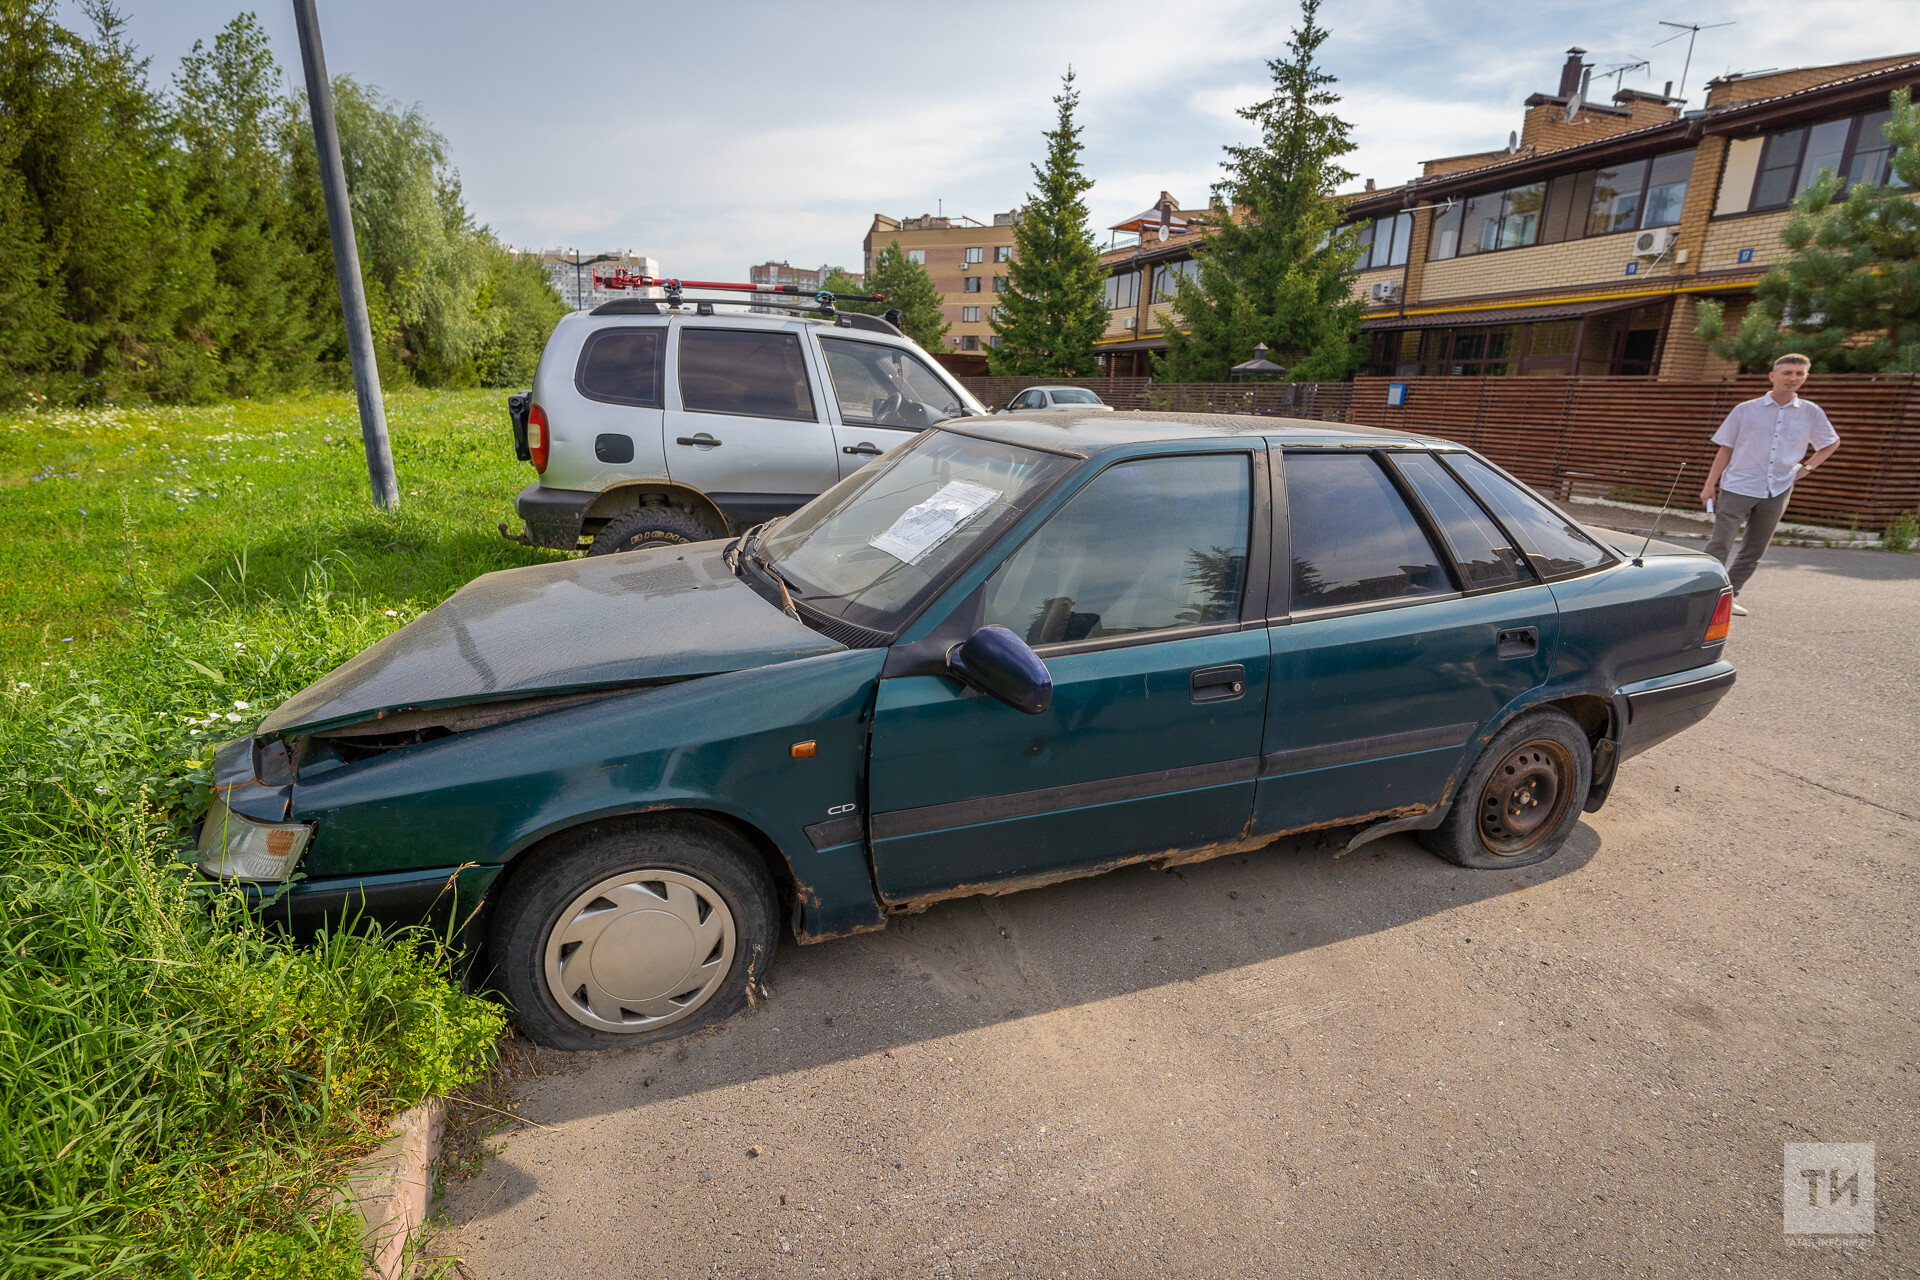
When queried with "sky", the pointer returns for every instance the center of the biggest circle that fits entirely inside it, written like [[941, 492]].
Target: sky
[[717, 135]]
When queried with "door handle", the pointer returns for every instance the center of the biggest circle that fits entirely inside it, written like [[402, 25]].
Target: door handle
[[703, 438], [862, 449], [1518, 642], [1218, 684]]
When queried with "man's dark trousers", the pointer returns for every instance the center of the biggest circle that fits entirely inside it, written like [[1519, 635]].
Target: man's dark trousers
[[1762, 516]]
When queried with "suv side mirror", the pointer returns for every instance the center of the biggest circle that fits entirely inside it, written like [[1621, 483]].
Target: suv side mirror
[[999, 664]]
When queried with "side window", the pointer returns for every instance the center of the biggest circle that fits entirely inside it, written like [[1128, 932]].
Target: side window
[[1147, 546], [622, 366], [886, 387], [1555, 547], [739, 371], [1353, 539], [1486, 556]]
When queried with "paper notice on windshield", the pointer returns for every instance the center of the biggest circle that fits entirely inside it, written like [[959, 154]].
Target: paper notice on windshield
[[927, 524]]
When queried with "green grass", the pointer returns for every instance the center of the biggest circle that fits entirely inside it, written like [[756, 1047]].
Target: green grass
[[180, 1090]]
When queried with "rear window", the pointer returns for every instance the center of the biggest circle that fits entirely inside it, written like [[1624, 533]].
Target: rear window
[[1486, 556], [622, 366], [1353, 539], [746, 373], [1074, 395], [1556, 547]]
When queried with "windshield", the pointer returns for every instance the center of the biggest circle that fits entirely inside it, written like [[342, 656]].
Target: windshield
[[1074, 395], [873, 547], [886, 387]]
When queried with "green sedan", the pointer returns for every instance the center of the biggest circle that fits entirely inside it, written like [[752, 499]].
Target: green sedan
[[1010, 652]]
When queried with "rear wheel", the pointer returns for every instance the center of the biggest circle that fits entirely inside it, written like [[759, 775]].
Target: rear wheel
[[1522, 798], [649, 527], [636, 932]]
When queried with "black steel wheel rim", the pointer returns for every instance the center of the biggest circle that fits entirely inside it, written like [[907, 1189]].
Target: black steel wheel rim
[[1525, 798]]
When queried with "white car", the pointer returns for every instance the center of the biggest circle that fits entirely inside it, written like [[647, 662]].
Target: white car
[[651, 424], [1057, 399]]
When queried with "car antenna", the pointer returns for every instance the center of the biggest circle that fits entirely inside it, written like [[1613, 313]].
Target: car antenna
[[1640, 559]]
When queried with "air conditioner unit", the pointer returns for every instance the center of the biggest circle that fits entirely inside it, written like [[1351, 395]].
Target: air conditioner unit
[[1386, 291], [1130, 322], [1651, 244]]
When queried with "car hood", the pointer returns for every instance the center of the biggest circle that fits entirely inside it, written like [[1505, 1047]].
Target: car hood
[[663, 613]]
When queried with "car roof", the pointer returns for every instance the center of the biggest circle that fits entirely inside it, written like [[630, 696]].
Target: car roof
[[1083, 435]]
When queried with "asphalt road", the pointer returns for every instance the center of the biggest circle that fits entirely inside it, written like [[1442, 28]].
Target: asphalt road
[[1292, 1063]]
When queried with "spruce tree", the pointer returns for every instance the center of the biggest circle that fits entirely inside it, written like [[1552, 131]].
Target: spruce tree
[[1274, 262], [1851, 281], [1055, 307], [909, 288], [264, 312]]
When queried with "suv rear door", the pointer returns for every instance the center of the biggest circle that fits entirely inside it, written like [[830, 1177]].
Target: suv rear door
[[744, 423]]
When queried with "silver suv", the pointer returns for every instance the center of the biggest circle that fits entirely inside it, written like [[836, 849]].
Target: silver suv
[[651, 424]]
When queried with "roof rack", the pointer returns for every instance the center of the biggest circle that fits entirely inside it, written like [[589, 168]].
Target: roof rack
[[888, 323], [764, 297]]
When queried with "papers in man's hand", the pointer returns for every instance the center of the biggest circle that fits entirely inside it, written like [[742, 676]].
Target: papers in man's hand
[[928, 523]]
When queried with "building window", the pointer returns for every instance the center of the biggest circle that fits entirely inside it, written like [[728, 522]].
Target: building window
[[969, 315], [1383, 242], [1003, 253], [999, 284], [1166, 285], [969, 343], [971, 284], [1123, 290], [974, 255], [1792, 160], [1597, 202], [917, 256], [999, 313]]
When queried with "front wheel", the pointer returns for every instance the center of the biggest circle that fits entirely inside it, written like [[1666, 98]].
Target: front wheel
[[635, 932], [1522, 798]]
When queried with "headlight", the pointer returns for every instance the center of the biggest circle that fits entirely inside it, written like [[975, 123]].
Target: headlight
[[236, 847]]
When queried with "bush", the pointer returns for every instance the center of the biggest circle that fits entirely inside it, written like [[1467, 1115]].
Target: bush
[[1901, 532]]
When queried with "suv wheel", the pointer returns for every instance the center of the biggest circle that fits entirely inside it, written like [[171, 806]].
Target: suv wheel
[[1522, 798], [649, 527], [637, 932]]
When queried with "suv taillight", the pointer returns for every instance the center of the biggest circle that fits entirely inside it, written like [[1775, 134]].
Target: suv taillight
[[537, 438], [1722, 620]]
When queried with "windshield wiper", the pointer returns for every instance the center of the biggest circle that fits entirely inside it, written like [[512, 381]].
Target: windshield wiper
[[750, 544]]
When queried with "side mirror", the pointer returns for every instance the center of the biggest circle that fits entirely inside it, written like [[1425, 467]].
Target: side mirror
[[999, 664]]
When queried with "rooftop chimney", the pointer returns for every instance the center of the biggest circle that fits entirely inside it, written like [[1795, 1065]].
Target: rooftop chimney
[[1570, 73]]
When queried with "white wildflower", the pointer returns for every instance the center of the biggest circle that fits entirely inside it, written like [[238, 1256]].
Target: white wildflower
[[240, 706], [233, 716]]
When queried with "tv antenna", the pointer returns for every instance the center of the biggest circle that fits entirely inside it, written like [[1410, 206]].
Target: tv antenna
[[1692, 32], [1619, 71]]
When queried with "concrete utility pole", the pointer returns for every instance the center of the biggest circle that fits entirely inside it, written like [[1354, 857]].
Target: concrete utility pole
[[346, 261]]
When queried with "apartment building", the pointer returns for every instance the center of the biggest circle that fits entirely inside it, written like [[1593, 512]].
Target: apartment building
[[1144, 255], [968, 262], [572, 272], [1584, 246], [770, 275], [1587, 245]]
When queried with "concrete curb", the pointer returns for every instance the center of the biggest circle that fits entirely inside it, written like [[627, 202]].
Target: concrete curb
[[390, 1188]]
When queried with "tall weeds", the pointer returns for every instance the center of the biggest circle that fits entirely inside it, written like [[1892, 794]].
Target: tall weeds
[[179, 1088]]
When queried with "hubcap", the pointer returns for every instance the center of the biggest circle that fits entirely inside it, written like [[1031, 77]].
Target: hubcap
[[1525, 798], [640, 950]]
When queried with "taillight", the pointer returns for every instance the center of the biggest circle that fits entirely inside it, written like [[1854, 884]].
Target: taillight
[[537, 438], [1722, 619]]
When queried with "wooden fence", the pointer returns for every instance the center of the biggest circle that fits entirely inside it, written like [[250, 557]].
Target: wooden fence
[[1622, 438]]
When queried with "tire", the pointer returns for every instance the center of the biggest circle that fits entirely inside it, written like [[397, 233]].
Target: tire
[[603, 944], [1522, 798], [649, 527]]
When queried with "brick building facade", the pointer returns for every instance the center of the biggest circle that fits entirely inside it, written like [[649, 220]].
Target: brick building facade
[[968, 262], [1584, 246]]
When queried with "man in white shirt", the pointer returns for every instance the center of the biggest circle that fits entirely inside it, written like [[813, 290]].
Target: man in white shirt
[[1762, 444]]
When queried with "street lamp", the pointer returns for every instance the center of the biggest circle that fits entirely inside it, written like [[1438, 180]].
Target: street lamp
[[578, 297]]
